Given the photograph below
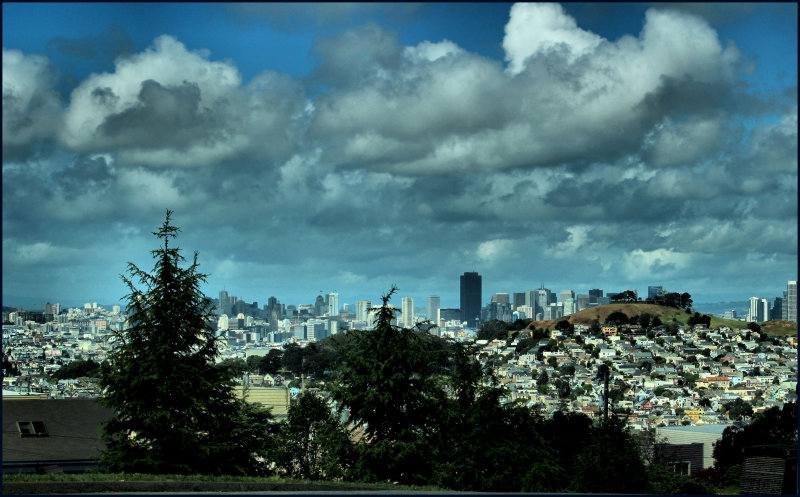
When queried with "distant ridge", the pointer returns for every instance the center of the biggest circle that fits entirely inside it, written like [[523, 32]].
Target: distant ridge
[[35, 303]]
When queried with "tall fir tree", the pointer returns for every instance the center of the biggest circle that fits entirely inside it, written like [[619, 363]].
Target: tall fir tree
[[387, 382], [175, 412]]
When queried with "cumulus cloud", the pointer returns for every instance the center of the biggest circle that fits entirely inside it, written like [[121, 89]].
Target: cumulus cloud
[[171, 106], [31, 108], [578, 159]]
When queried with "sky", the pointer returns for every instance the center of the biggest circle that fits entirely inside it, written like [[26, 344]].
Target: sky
[[316, 148]]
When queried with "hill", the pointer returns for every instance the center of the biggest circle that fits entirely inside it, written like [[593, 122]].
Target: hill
[[665, 314]]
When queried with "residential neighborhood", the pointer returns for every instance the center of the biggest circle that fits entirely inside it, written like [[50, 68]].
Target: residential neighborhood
[[660, 377]]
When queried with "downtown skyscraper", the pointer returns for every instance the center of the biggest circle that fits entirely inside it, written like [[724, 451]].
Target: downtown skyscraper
[[471, 297]]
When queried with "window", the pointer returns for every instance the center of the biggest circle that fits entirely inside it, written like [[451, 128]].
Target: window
[[681, 467], [31, 429]]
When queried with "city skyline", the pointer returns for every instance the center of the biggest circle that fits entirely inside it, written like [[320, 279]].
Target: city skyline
[[346, 148]]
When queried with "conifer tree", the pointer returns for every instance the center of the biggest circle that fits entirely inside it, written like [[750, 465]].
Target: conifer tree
[[387, 383], [175, 412]]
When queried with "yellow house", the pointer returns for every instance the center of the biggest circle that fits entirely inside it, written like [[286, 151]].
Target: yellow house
[[610, 331], [695, 414], [276, 398]]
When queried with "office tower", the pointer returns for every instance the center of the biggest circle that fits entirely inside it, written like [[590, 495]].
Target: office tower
[[530, 298], [791, 301], [471, 288], [553, 311], [526, 311], [759, 310], [777, 308], [408, 312], [498, 310], [654, 291], [333, 304], [764, 310], [519, 300], [567, 294], [362, 310], [582, 302], [594, 294], [501, 297], [222, 322], [432, 309], [448, 314], [570, 306], [729, 314], [320, 307], [273, 321], [224, 306], [543, 298], [346, 308]]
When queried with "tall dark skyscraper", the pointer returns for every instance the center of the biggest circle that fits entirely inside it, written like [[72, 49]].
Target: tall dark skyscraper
[[471, 298]]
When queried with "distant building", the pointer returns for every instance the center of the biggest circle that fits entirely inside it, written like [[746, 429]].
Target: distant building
[[408, 312], [501, 297], [499, 310], [333, 304], [654, 291], [471, 289], [777, 308], [791, 301], [582, 302], [432, 309], [449, 314], [519, 300], [567, 294], [594, 294], [362, 310]]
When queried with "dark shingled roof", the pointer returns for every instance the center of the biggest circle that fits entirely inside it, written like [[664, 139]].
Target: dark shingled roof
[[73, 427]]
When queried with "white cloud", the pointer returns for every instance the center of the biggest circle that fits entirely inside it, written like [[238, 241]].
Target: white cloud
[[536, 27], [31, 110]]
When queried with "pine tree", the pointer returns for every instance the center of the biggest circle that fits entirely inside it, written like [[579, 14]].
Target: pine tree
[[175, 412], [387, 382]]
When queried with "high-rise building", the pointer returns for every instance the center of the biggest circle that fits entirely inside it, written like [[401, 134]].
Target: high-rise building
[[594, 294], [654, 291], [526, 311], [408, 312], [569, 306], [519, 299], [362, 310], [319, 306], [567, 294], [582, 302], [224, 306], [501, 297], [449, 314], [791, 301], [333, 304], [498, 310], [759, 310], [432, 309], [777, 308], [471, 288]]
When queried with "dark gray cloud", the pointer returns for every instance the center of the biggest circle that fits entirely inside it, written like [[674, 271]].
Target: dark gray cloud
[[105, 47]]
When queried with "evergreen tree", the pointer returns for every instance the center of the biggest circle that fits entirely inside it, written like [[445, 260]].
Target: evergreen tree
[[387, 383], [175, 412]]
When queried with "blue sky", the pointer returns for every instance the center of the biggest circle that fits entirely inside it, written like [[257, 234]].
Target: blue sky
[[349, 147]]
